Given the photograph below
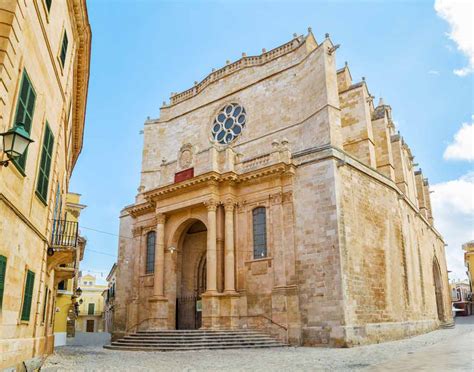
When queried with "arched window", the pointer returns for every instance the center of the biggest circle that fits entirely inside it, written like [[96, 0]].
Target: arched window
[[259, 233], [150, 252]]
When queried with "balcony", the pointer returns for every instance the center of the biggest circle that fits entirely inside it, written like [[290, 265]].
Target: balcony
[[65, 234], [63, 245]]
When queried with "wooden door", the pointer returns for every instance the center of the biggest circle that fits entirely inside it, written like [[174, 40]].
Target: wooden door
[[90, 325]]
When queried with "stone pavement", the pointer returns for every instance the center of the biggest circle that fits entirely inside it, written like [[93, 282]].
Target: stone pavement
[[442, 350]]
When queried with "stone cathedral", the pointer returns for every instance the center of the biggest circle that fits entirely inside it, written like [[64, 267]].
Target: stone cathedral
[[275, 195]]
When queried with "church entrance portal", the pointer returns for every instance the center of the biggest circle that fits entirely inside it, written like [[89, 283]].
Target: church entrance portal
[[192, 277]]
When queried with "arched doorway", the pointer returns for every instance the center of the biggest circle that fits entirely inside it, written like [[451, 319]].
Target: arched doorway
[[438, 284], [191, 278]]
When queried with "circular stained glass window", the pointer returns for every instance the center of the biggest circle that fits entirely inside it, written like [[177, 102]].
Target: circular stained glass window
[[228, 123]]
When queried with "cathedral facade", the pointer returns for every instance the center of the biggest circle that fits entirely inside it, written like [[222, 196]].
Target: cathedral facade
[[275, 195]]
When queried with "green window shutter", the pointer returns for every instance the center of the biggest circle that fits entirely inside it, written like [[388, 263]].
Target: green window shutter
[[28, 295], [24, 113], [3, 269], [64, 49], [91, 309], [48, 4], [45, 164]]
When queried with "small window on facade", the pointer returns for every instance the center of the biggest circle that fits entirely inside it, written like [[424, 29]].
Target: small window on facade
[[64, 49], [90, 310], [62, 285], [28, 296], [259, 233], [150, 252], [3, 271], [24, 113]]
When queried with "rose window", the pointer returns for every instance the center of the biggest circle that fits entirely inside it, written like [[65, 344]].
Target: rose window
[[229, 123]]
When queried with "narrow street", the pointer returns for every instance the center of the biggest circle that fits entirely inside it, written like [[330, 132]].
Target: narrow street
[[442, 350]]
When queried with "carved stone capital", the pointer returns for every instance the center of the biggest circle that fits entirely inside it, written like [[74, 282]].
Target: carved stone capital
[[211, 204], [276, 198], [137, 231], [287, 197], [229, 204], [160, 218]]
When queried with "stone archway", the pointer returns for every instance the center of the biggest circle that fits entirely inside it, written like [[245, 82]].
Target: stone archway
[[438, 284], [191, 275]]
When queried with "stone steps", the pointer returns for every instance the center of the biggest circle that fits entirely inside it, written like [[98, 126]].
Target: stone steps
[[185, 340]]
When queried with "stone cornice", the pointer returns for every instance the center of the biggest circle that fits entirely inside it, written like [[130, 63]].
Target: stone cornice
[[81, 74], [215, 178], [140, 209]]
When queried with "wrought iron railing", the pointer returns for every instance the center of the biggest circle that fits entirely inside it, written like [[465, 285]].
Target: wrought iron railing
[[65, 234]]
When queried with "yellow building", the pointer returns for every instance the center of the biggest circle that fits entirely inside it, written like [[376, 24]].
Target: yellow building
[[44, 73], [91, 308], [468, 249], [65, 312]]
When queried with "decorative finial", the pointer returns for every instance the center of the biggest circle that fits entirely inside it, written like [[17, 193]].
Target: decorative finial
[[346, 64], [227, 62], [264, 50], [295, 35], [310, 30], [363, 78], [213, 69], [164, 103], [195, 83], [327, 35], [244, 54], [381, 102], [147, 118]]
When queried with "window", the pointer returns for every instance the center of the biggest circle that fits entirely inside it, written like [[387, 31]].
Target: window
[[62, 285], [90, 310], [45, 303], [3, 269], [150, 252], [63, 49], [45, 164], [48, 4], [24, 113], [259, 233], [228, 123], [28, 295]]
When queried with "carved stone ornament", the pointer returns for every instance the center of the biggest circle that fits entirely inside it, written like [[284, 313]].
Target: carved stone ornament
[[186, 156]]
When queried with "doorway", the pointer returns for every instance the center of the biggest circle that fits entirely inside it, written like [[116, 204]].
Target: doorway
[[192, 277], [90, 325]]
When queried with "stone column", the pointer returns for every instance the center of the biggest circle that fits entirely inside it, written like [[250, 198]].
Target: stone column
[[211, 253], [159, 278], [229, 247]]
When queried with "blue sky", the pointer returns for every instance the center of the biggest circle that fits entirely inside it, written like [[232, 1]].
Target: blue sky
[[143, 50]]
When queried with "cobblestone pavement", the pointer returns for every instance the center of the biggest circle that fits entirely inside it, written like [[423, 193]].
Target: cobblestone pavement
[[442, 350]]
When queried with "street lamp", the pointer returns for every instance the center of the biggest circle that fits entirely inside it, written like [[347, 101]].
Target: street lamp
[[15, 142], [78, 292]]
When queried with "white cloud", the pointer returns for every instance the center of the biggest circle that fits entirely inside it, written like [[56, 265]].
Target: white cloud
[[463, 146], [458, 13], [453, 211], [433, 72]]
